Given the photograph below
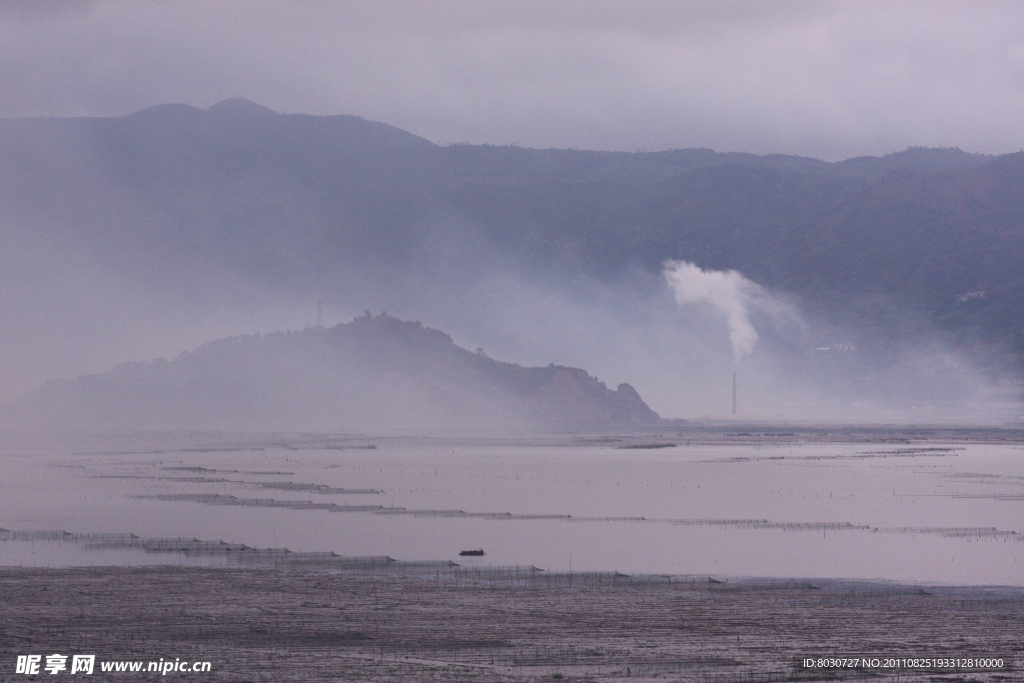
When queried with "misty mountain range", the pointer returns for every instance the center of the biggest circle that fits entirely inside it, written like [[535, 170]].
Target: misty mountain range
[[374, 372], [238, 200]]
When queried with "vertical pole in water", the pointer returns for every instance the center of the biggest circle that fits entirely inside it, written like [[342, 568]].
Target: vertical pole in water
[[733, 392]]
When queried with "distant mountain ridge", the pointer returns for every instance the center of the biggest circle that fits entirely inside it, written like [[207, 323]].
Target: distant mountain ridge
[[374, 372], [299, 204]]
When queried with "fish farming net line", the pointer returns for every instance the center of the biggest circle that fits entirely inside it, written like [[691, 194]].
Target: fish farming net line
[[270, 485], [756, 524], [238, 554]]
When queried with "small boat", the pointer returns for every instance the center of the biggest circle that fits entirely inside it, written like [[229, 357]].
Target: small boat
[[473, 553]]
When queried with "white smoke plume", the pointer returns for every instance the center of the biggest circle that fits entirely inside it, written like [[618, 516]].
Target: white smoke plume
[[727, 290]]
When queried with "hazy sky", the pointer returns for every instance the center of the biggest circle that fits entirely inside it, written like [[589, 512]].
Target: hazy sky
[[826, 79]]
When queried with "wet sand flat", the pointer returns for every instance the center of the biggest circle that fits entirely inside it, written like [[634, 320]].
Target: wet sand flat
[[267, 624]]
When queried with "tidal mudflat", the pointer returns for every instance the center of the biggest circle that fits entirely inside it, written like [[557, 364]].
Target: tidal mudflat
[[272, 625]]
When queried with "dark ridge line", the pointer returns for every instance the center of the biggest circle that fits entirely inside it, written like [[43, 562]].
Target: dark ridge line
[[911, 451], [199, 469], [157, 452], [867, 455], [59, 535], [217, 499], [951, 532], [222, 449], [308, 488], [193, 480], [277, 485], [239, 554]]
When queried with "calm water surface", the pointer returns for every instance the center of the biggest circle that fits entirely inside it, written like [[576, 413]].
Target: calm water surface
[[778, 511]]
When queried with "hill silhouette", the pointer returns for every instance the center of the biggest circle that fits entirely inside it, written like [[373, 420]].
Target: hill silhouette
[[376, 372]]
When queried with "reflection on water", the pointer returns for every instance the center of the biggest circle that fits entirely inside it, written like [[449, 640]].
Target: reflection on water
[[937, 513]]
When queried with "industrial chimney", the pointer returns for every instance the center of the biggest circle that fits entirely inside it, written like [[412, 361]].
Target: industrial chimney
[[733, 392]]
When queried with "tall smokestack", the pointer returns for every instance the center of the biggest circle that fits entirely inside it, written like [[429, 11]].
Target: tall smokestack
[[733, 392]]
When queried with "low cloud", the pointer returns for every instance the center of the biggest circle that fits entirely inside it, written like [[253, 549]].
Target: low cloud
[[818, 78]]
